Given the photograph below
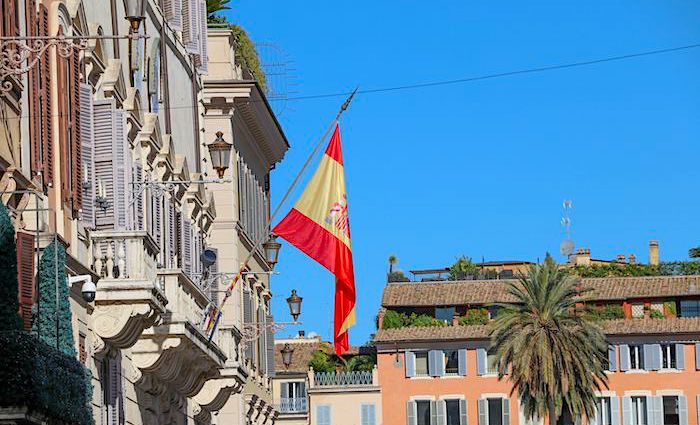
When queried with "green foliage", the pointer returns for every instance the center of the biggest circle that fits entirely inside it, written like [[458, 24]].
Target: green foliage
[[9, 297], [214, 6], [248, 55], [475, 316], [674, 268], [670, 308], [462, 268], [36, 375], [656, 314], [321, 361], [606, 312], [394, 319], [397, 276], [52, 275], [555, 354], [363, 363], [694, 252]]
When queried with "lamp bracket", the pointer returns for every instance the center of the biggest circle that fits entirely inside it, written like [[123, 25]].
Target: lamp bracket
[[251, 332]]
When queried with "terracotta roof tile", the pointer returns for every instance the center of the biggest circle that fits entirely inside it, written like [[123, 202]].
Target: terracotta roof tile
[[415, 294], [610, 327], [304, 349]]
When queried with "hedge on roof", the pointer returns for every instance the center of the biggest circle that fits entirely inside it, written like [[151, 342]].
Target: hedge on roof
[[672, 268], [393, 319], [36, 375]]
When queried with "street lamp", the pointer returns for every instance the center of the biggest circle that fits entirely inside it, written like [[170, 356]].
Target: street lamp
[[135, 13], [272, 250], [294, 302], [287, 352], [220, 152]]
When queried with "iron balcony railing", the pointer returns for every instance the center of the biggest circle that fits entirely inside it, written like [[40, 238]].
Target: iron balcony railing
[[327, 379], [293, 405]]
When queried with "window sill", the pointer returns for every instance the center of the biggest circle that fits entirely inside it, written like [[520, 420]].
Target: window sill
[[633, 371], [453, 376], [421, 377], [670, 371]]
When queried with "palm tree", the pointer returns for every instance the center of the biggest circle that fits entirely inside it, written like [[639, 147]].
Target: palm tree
[[392, 262], [552, 352], [214, 6]]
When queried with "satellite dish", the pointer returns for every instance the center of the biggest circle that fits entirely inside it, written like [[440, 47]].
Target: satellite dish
[[567, 247]]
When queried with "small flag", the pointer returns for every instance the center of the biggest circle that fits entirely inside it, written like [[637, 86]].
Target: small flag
[[318, 225]]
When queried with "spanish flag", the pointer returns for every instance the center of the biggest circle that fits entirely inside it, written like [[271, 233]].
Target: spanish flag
[[318, 225]]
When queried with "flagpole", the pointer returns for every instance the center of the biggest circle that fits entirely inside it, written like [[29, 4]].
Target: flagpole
[[214, 321]]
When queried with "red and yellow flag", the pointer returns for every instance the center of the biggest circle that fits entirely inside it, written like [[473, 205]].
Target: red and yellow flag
[[318, 225]]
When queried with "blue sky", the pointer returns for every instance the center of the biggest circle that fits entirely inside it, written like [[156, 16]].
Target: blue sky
[[481, 168]]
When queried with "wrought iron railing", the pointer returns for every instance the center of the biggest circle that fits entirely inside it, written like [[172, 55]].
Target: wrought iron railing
[[293, 405], [343, 378]]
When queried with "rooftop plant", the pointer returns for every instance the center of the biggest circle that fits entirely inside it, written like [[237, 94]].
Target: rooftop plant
[[475, 316], [673, 268], [606, 312], [394, 319], [462, 268]]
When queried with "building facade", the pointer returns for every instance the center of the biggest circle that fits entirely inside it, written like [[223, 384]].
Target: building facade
[[306, 397], [103, 150], [444, 375]]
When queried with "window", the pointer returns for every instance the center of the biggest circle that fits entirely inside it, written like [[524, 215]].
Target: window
[[493, 311], [638, 310], [422, 412], [445, 314], [639, 410], [452, 412], [495, 414], [689, 308], [368, 414], [491, 363], [254, 203], [668, 356], [671, 410], [636, 357], [422, 363], [604, 415], [451, 362], [323, 415]]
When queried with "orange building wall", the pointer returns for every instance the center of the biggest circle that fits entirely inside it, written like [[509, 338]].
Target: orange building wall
[[397, 389]]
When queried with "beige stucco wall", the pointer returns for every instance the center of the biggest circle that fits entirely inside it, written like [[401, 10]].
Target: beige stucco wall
[[345, 404]]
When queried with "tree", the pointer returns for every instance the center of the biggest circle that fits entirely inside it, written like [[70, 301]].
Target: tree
[[554, 351], [9, 296], [321, 361], [214, 6], [694, 252], [462, 268], [52, 276], [392, 262]]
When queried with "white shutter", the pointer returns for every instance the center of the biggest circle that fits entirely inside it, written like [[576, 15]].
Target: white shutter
[[411, 414], [441, 412], [138, 197], [270, 348], [506, 412], [463, 412], [121, 167], [483, 407], [615, 410], [683, 410], [87, 154], [173, 13], [190, 26], [104, 134], [171, 232], [203, 59], [186, 249], [157, 205]]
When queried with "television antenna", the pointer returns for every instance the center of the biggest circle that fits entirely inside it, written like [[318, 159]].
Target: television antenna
[[567, 245], [279, 74]]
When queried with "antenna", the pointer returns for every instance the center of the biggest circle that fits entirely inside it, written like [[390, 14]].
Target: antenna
[[567, 245], [278, 69]]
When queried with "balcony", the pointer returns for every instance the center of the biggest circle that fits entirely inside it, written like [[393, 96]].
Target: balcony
[[176, 353], [128, 298], [329, 382], [293, 405], [40, 384]]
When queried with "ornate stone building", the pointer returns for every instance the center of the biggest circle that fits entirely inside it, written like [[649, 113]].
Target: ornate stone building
[[102, 150]]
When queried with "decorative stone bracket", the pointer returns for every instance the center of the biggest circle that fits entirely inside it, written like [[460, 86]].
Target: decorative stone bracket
[[216, 392]]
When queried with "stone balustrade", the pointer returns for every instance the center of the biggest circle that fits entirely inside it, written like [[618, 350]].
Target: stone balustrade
[[124, 255]]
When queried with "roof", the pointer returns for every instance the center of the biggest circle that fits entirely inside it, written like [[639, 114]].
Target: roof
[[423, 294], [476, 332], [304, 349]]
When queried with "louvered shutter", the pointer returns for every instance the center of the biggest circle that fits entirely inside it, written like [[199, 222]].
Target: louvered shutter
[[138, 200], [683, 410], [612, 358], [35, 96], [262, 341], [463, 414], [680, 356], [87, 155], [203, 59], [411, 413], [441, 412], [121, 166], [648, 356], [157, 219], [270, 349], [481, 361], [410, 364], [657, 417], [64, 113], [483, 408], [627, 410], [615, 410], [624, 357], [76, 163], [173, 13], [186, 248], [46, 111], [172, 238], [25, 276], [697, 363], [190, 26], [506, 412], [104, 133], [462, 362], [248, 319], [114, 391]]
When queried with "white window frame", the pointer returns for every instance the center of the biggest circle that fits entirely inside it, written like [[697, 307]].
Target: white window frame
[[636, 357], [668, 356], [427, 364], [639, 410]]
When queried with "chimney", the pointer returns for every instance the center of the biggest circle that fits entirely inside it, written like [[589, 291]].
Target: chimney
[[633, 259], [302, 334], [620, 258], [583, 257], [654, 253]]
